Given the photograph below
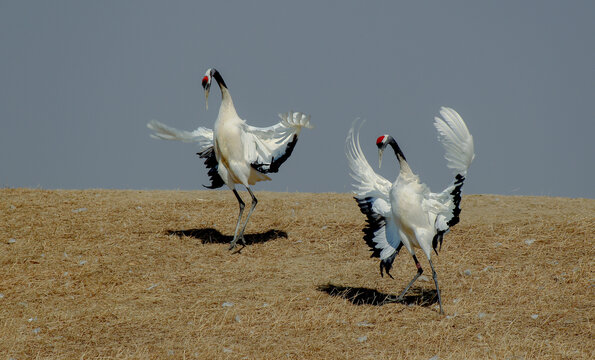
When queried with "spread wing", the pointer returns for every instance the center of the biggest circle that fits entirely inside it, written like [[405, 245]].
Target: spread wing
[[372, 195], [203, 136], [381, 233], [267, 148], [367, 182], [458, 152]]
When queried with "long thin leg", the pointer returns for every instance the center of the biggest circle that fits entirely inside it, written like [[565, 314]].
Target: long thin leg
[[235, 236], [419, 272], [254, 202], [436, 282]]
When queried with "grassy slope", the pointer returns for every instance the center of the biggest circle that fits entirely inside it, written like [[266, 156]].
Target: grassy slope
[[145, 274]]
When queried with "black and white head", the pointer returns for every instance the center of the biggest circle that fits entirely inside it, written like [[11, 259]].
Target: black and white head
[[206, 84], [208, 78], [381, 142]]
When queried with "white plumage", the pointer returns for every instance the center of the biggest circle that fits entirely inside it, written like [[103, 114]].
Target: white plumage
[[406, 212], [235, 152]]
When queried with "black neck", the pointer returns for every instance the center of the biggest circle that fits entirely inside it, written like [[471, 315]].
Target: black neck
[[397, 149], [219, 79]]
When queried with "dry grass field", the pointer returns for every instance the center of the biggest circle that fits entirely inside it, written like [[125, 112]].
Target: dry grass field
[[102, 274]]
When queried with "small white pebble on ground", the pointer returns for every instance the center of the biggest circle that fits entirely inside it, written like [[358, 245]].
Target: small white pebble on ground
[[435, 357], [456, 300], [481, 315], [362, 338], [534, 316], [467, 272], [479, 336], [12, 207], [451, 316], [265, 304], [364, 324], [1, 295], [79, 210], [423, 278], [82, 262], [324, 227], [488, 268], [227, 304], [170, 352], [153, 286], [227, 350], [238, 319], [529, 241], [498, 244], [12, 240], [36, 330]]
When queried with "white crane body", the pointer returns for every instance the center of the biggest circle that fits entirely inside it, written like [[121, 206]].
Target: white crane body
[[406, 213], [235, 152]]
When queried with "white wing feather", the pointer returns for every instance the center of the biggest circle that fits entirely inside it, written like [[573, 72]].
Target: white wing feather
[[202, 135], [456, 140], [393, 240], [459, 153], [381, 232], [264, 145], [386, 238], [367, 182], [372, 195]]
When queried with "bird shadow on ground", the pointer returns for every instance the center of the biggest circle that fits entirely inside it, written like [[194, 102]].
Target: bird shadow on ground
[[366, 296], [212, 236]]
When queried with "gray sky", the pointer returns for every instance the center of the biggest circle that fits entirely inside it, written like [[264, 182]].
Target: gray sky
[[79, 80]]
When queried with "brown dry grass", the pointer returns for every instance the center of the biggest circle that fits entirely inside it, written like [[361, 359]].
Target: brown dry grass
[[145, 274]]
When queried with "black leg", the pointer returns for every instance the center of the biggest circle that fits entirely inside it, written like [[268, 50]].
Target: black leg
[[419, 272], [242, 205], [436, 282], [254, 202]]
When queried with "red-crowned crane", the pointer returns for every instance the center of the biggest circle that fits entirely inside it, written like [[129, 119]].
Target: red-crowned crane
[[406, 212], [235, 152]]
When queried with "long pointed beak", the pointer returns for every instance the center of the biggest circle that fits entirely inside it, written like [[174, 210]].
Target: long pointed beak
[[207, 97], [380, 151]]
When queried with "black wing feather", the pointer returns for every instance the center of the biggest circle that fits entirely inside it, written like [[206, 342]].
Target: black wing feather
[[211, 163], [273, 167], [375, 222], [456, 199]]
